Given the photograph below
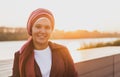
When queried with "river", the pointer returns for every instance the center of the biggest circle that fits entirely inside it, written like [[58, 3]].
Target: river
[[8, 48]]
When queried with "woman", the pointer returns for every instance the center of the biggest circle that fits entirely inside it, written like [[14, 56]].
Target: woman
[[39, 57]]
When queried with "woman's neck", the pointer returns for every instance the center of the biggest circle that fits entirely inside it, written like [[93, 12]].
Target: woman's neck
[[38, 46]]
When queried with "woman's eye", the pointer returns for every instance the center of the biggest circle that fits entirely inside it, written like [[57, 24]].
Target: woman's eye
[[47, 27], [38, 26]]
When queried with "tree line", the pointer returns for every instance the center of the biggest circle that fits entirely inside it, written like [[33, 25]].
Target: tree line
[[9, 33], [61, 34]]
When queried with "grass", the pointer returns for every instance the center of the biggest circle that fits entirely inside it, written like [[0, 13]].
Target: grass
[[100, 44]]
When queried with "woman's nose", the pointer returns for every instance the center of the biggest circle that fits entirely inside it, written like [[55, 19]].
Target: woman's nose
[[42, 30]]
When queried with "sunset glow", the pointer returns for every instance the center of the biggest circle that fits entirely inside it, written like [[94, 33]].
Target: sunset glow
[[102, 15]]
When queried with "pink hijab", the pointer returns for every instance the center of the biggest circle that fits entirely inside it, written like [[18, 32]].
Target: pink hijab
[[36, 14], [26, 60]]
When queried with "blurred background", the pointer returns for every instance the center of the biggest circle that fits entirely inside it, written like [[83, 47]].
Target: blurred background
[[79, 24]]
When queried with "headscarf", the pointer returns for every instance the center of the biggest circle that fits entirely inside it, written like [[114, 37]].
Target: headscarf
[[26, 60], [36, 15]]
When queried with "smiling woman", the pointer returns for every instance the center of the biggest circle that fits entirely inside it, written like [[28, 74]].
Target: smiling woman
[[39, 57]]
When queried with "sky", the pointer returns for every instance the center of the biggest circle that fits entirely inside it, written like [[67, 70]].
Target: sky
[[101, 15]]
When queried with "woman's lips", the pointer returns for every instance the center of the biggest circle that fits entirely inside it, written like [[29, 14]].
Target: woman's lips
[[41, 36]]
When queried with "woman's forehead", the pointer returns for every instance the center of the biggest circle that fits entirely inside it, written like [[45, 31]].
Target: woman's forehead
[[41, 19]]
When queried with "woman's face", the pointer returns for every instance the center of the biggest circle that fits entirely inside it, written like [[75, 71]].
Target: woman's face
[[41, 30]]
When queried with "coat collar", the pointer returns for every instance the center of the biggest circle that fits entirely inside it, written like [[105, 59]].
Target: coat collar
[[54, 46], [54, 49]]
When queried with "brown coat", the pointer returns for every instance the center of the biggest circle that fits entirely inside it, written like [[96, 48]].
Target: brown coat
[[62, 63]]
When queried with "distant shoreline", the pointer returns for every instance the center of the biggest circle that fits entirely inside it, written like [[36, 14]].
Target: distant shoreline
[[21, 34], [63, 39], [100, 44]]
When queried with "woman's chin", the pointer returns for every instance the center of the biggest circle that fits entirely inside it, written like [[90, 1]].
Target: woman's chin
[[42, 42]]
